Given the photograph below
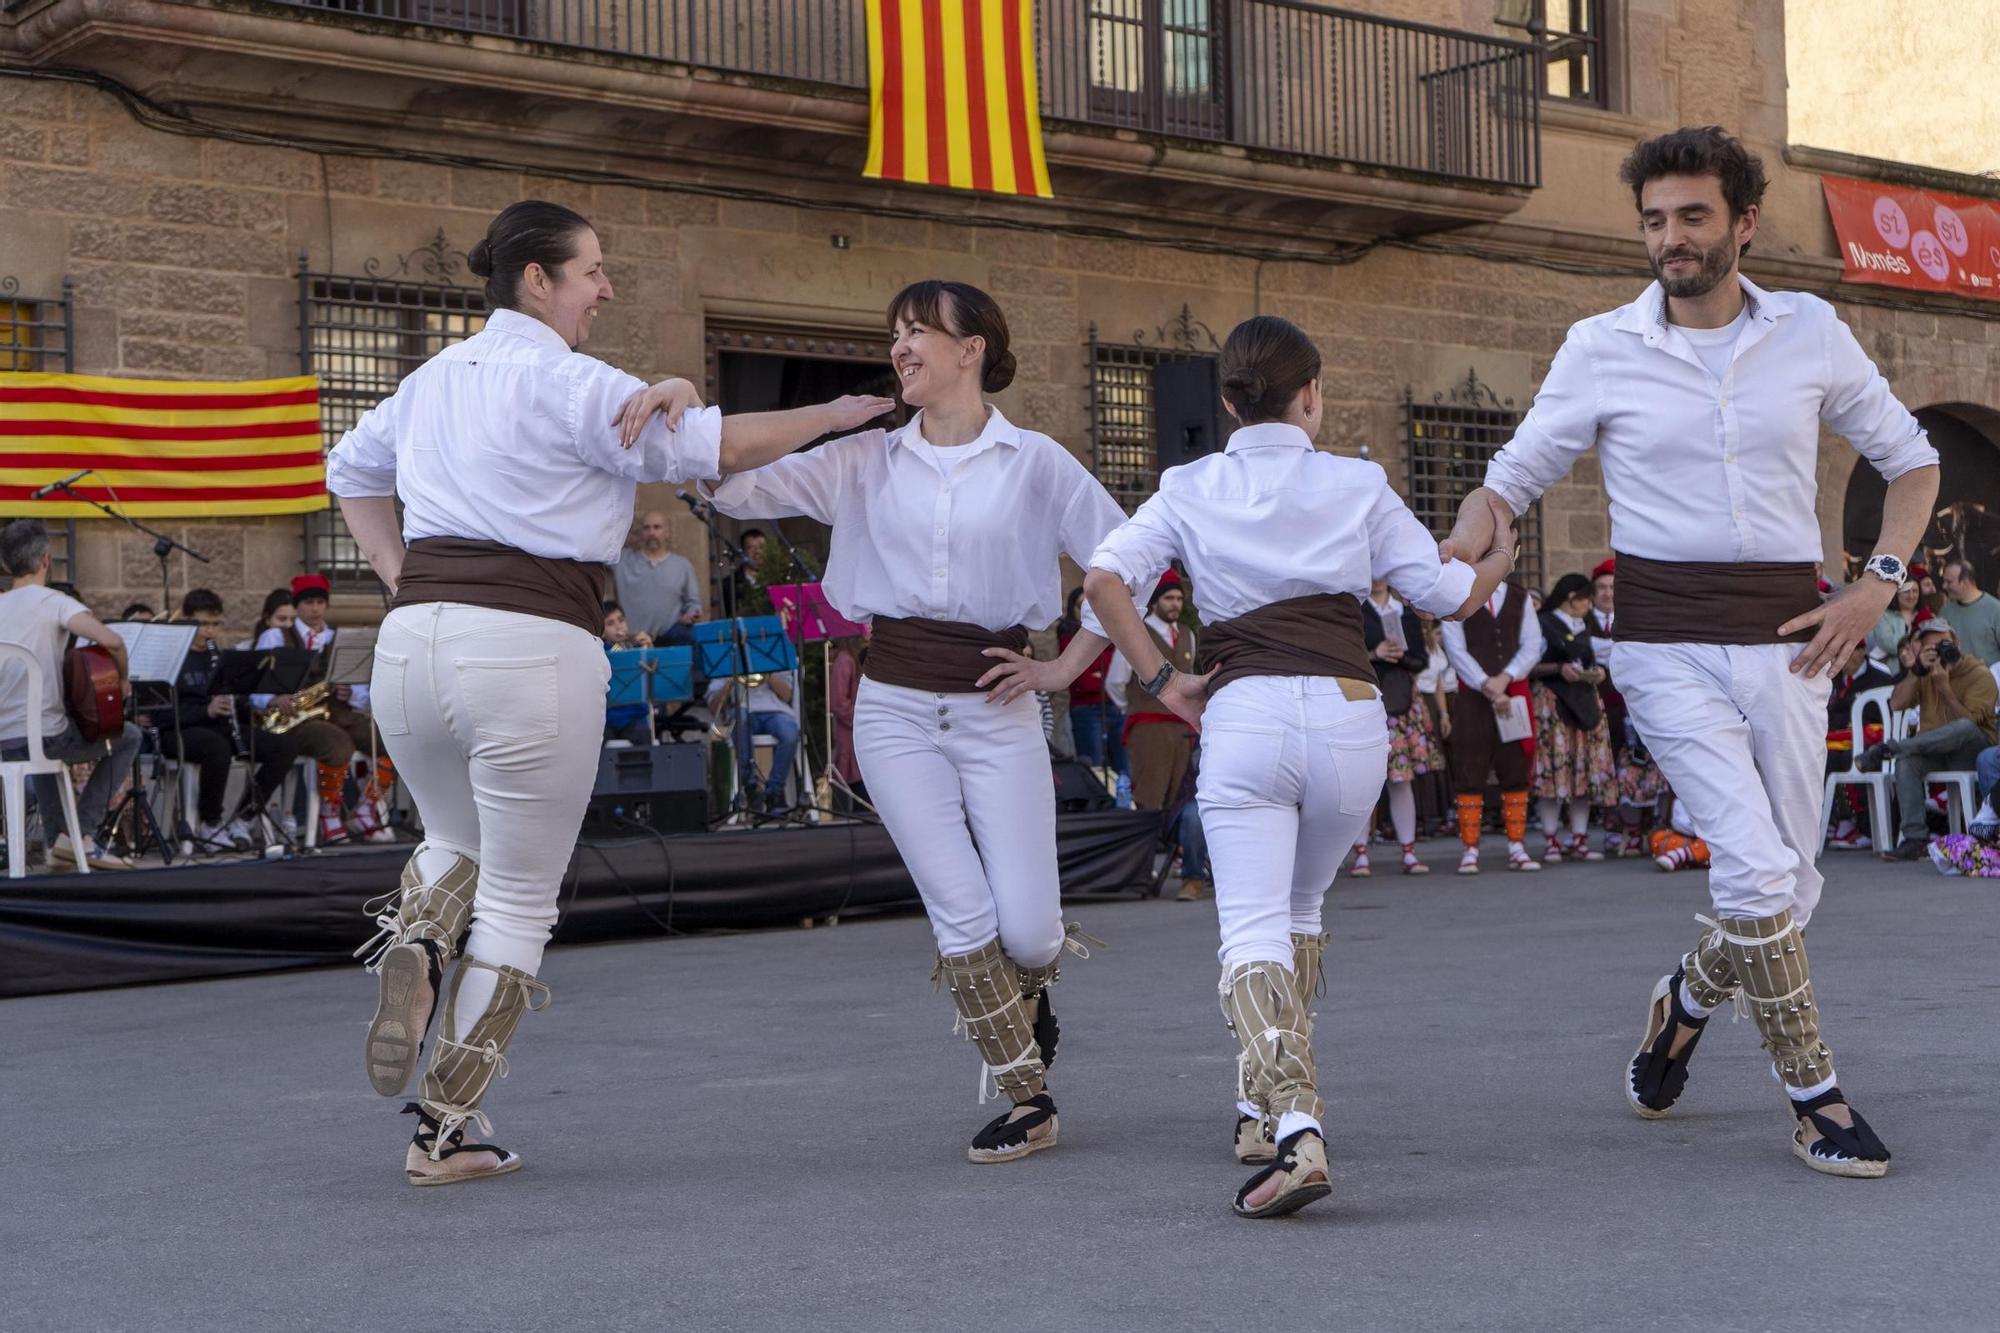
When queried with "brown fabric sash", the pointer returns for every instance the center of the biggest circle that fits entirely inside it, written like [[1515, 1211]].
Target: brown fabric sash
[[1317, 635], [500, 578], [1683, 601], [936, 656]]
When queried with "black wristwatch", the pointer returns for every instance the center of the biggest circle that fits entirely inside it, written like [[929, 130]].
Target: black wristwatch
[[1159, 680]]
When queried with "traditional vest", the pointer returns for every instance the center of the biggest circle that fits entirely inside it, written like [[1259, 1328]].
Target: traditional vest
[[1493, 640], [1136, 700]]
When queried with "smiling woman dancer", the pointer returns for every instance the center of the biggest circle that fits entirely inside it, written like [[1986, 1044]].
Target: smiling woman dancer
[[515, 458], [1283, 541], [947, 535]]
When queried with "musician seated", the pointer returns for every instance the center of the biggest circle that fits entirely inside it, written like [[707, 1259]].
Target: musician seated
[[760, 708], [40, 619], [304, 717], [625, 722], [347, 708], [209, 730]]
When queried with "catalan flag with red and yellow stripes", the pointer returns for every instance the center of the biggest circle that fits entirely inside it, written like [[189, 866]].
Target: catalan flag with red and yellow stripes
[[164, 448], [952, 97]]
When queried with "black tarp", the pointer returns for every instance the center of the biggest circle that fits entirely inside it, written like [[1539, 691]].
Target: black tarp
[[79, 932]]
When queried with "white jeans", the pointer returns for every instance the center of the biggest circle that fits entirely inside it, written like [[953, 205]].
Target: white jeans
[[1742, 741], [1290, 773], [965, 789], [495, 720]]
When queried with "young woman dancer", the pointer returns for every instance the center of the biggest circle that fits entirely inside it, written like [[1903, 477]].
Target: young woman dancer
[[1283, 541], [946, 535], [515, 458]]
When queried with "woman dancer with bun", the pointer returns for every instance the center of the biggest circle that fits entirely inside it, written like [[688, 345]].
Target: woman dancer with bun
[[515, 457], [947, 535], [1284, 542]]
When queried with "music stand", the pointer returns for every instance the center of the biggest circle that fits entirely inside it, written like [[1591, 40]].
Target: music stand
[[156, 653]]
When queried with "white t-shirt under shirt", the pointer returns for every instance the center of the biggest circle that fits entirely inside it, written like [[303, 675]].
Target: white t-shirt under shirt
[[38, 619], [1716, 346]]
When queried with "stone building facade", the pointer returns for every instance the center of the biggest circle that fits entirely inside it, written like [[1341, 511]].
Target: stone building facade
[[243, 189]]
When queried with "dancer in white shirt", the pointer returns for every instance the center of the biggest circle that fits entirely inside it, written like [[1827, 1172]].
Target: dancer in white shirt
[[516, 459], [1710, 451], [947, 535], [1283, 542]]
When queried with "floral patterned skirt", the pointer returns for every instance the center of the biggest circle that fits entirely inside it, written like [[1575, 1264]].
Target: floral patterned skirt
[[1413, 745], [1571, 764], [1640, 785]]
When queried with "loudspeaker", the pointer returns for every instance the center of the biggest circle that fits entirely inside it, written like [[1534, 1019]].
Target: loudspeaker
[[662, 786], [1187, 409], [1078, 789]]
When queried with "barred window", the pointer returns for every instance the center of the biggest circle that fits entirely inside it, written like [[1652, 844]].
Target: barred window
[[1573, 63], [37, 335], [361, 336], [1122, 444], [1449, 442]]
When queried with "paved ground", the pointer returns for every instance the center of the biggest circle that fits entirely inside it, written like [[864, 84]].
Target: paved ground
[[765, 1131]]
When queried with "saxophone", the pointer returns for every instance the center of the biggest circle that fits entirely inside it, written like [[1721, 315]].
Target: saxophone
[[309, 703]]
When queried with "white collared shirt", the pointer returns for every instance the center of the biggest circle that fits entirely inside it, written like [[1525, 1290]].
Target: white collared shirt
[[1701, 468], [971, 533], [1271, 518], [1526, 655], [507, 437]]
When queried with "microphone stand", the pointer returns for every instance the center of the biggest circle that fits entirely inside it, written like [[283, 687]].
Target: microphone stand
[[732, 559], [163, 545]]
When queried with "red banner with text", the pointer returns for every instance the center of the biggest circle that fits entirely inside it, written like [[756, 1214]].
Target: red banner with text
[[1895, 236]]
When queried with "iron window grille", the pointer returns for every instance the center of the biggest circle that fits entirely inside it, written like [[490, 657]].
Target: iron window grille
[[1449, 441], [38, 335], [1124, 424], [1572, 33], [361, 335]]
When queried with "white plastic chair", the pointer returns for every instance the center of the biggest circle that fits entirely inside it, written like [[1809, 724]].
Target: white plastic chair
[[14, 774], [1961, 797], [1881, 784]]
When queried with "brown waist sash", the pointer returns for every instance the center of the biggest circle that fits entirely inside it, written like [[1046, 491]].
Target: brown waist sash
[[937, 656], [1683, 601], [500, 578], [1319, 635]]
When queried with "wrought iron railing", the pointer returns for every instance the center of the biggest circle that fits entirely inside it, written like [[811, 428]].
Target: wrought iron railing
[[1281, 75]]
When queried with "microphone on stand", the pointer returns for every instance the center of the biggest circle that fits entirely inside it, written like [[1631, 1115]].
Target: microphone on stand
[[43, 492], [699, 507]]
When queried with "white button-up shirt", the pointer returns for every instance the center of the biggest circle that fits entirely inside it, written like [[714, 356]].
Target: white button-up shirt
[[507, 437], [1467, 667], [1271, 518], [971, 533], [1700, 468]]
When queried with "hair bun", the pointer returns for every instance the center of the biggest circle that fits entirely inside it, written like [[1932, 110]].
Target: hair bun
[[998, 375], [480, 259], [1248, 382]]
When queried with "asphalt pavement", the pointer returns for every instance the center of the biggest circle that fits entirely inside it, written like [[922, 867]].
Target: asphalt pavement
[[766, 1131]]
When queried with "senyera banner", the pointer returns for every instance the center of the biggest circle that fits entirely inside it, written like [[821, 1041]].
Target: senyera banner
[[1896, 236]]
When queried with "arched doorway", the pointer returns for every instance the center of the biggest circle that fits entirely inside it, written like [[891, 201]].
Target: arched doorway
[[1967, 522]]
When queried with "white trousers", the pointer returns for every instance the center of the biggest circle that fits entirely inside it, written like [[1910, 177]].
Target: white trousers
[[1742, 741], [1290, 773], [965, 789], [495, 720]]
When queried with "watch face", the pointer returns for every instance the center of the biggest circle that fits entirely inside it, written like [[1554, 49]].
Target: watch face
[[1888, 567]]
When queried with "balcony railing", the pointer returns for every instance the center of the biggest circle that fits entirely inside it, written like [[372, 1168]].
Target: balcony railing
[[1280, 75]]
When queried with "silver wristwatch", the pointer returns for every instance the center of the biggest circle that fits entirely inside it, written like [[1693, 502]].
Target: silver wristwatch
[[1888, 569]]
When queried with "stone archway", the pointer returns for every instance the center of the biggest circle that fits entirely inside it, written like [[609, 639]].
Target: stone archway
[[1967, 522]]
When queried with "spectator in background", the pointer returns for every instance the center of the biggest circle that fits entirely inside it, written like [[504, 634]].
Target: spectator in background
[[1928, 596], [657, 587], [1573, 761], [1096, 722], [1954, 696], [843, 684], [766, 708], [1157, 741], [1974, 616], [40, 619], [1896, 624], [1394, 638], [632, 723], [136, 611], [1858, 675], [1435, 685]]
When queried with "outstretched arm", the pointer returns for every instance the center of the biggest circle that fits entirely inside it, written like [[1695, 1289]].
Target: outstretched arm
[[752, 439]]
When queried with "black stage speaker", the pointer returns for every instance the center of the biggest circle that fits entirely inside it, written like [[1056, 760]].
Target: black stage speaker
[[1077, 789], [1187, 409], [664, 787]]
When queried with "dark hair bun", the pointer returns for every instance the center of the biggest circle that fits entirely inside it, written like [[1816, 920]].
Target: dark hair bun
[[1246, 384], [480, 259], [1266, 362], [999, 374]]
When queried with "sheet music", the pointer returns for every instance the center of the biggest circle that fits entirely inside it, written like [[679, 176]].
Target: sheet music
[[351, 659], [157, 649], [1513, 721]]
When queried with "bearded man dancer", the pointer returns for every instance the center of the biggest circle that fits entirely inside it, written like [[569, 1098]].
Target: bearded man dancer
[[1705, 398]]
